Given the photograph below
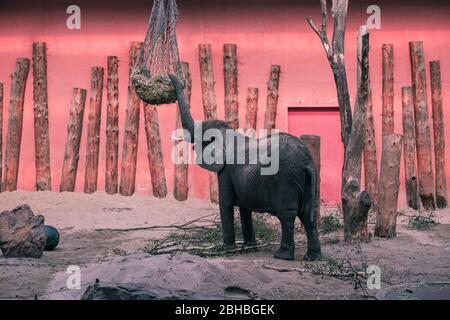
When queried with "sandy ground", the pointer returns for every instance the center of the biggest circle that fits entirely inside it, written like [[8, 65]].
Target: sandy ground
[[411, 257]]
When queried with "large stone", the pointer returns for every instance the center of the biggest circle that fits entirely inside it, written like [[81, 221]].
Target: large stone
[[22, 233]]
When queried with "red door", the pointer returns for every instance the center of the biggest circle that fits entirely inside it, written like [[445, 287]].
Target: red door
[[324, 122]]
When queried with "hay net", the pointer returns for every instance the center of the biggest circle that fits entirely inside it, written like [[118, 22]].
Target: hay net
[[159, 55]]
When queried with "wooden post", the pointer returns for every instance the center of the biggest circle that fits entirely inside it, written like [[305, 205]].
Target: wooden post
[[423, 139], [41, 137], [1, 136], [74, 130], [15, 123], [112, 126], [388, 89], [93, 131], [230, 75], [181, 184], [131, 131], [270, 117], [312, 142], [370, 154], [370, 149], [209, 104], [356, 204], [388, 186], [409, 149], [252, 112], [155, 153], [438, 131]]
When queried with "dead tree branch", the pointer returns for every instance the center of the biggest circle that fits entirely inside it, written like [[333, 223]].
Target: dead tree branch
[[335, 56]]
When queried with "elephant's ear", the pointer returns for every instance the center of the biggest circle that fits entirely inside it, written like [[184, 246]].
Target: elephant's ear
[[211, 152]]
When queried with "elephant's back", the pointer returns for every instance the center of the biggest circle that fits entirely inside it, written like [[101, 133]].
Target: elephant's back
[[284, 185]]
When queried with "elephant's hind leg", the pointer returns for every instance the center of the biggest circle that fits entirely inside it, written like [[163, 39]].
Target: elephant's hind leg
[[313, 252], [287, 247], [247, 226]]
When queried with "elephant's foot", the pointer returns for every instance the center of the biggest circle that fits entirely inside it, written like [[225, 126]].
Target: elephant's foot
[[250, 243], [312, 256], [284, 254], [229, 246]]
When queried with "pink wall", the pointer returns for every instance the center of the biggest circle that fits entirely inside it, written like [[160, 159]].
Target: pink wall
[[266, 32]]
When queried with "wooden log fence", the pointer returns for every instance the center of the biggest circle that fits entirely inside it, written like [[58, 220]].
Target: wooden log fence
[[93, 131], [15, 123], [131, 130], [1, 136], [209, 105], [72, 149], [252, 112], [438, 131], [155, 153], [270, 117], [409, 149], [388, 186], [112, 126], [41, 136], [388, 89], [181, 166], [230, 73], [423, 139]]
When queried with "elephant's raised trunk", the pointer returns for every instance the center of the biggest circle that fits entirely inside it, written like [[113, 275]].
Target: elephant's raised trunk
[[185, 114]]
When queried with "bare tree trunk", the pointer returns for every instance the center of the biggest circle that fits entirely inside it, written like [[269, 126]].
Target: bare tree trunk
[[93, 131], [209, 104], [131, 131], [72, 150], [270, 117], [252, 112], [409, 149], [1, 136], [389, 185], [370, 154], [388, 89], [356, 204], [181, 183], [438, 130], [41, 136], [155, 153], [312, 142], [230, 74], [423, 139], [112, 126], [15, 123]]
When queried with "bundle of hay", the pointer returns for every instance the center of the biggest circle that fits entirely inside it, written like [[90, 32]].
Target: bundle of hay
[[154, 90], [159, 56]]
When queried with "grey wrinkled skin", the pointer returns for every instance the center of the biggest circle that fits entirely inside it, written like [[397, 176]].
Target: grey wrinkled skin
[[287, 194]]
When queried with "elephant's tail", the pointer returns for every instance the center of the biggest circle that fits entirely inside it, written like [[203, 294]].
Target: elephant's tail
[[314, 194]]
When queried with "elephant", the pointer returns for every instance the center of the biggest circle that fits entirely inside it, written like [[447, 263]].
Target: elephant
[[288, 193]]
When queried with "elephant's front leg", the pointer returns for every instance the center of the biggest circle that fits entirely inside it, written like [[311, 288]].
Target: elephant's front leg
[[226, 204], [247, 227]]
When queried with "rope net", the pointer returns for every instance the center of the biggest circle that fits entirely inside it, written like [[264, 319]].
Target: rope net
[[159, 56]]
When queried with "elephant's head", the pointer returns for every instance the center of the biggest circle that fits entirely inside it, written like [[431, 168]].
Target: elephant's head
[[203, 134]]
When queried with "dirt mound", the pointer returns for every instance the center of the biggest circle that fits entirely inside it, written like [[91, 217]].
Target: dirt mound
[[184, 276]]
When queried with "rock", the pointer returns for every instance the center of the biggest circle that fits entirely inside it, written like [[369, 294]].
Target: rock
[[22, 233], [52, 237]]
